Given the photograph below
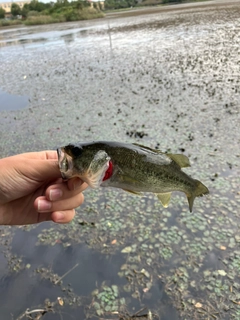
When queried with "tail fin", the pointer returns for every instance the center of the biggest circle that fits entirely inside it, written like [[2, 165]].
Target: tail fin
[[199, 191]]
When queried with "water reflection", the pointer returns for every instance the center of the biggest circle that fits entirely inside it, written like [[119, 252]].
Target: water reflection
[[42, 35], [79, 281], [81, 271], [12, 102], [68, 38]]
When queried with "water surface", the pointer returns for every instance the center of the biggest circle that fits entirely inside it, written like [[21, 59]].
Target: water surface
[[169, 81], [12, 102]]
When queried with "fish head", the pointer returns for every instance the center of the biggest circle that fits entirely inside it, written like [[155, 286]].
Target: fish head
[[84, 161]]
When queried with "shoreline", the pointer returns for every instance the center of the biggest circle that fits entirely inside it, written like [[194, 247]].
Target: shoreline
[[173, 7], [144, 10]]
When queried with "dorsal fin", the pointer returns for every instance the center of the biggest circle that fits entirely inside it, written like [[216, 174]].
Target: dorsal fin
[[180, 159], [147, 148]]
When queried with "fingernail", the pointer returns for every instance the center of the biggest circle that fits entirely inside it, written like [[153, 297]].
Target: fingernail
[[55, 194], [60, 216], [44, 205]]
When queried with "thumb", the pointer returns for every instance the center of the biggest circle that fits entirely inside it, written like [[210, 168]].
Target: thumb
[[41, 166], [42, 170]]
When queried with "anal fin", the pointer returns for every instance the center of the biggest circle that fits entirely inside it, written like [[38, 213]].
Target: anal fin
[[164, 198]]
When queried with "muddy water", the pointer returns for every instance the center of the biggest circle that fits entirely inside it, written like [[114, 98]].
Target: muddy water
[[169, 80]]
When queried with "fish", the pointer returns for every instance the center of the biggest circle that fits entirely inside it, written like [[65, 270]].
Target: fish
[[132, 167]]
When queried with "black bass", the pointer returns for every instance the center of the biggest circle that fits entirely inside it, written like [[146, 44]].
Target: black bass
[[131, 167]]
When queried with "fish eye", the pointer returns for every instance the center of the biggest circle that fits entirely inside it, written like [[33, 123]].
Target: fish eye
[[65, 165], [76, 151]]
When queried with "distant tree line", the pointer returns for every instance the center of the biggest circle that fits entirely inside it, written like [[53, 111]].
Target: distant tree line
[[2, 13], [37, 12], [119, 4], [46, 8], [68, 9], [168, 1]]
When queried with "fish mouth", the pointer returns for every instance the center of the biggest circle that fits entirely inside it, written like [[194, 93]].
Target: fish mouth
[[65, 164], [94, 175]]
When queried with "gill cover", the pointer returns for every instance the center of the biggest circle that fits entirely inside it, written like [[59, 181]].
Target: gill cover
[[97, 169]]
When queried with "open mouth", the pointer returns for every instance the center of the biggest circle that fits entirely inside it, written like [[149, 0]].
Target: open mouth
[[65, 164]]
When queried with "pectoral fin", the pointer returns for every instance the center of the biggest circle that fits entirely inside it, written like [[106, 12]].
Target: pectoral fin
[[129, 181], [164, 198], [180, 159], [133, 192]]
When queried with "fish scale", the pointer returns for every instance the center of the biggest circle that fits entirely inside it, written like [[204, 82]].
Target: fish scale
[[131, 167]]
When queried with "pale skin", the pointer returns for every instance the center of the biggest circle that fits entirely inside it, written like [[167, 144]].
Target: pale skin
[[32, 190]]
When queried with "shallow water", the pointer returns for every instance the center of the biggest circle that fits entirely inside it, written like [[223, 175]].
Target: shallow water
[[12, 102], [170, 81]]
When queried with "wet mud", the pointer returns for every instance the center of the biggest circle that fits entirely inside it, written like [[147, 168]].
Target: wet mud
[[169, 81]]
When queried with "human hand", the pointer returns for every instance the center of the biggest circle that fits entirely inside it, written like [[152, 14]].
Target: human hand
[[32, 190]]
